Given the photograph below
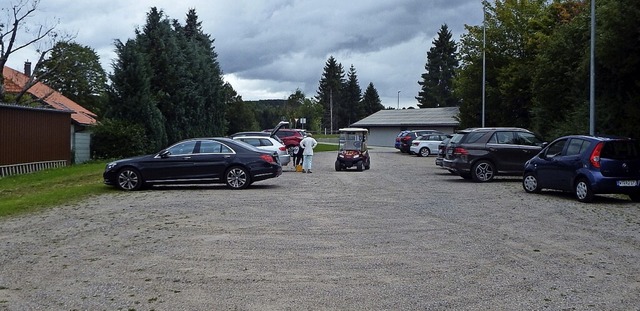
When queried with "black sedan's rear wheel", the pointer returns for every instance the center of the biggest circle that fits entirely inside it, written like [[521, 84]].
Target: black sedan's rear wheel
[[530, 183], [237, 178], [483, 171], [635, 197], [129, 179]]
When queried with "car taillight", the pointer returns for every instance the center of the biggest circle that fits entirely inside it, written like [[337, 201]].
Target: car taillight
[[282, 148], [415, 143], [594, 158], [406, 138], [268, 158], [460, 151]]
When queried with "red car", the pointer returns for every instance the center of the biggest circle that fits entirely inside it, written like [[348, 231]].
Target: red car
[[290, 137]]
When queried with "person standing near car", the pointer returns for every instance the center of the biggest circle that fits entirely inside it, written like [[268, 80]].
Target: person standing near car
[[308, 143]]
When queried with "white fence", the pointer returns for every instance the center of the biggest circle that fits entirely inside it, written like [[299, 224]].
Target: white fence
[[25, 168]]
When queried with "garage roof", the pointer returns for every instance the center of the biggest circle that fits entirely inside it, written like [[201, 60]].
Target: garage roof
[[444, 116]]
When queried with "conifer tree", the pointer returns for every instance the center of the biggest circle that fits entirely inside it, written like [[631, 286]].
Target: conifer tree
[[130, 95], [351, 109], [330, 92], [436, 85], [371, 101]]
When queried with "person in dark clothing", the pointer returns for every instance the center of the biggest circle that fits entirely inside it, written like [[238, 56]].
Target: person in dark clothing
[[297, 155]]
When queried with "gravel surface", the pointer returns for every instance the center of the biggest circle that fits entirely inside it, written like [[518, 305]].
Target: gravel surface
[[405, 235]]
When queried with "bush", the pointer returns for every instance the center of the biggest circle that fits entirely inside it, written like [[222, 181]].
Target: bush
[[117, 139]]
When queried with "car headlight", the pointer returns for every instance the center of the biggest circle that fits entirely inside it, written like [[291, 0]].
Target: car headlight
[[111, 166], [341, 155], [356, 156]]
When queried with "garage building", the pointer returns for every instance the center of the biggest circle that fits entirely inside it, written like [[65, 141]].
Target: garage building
[[385, 125]]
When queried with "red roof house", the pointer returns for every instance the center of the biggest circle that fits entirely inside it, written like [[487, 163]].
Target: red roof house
[[81, 118]]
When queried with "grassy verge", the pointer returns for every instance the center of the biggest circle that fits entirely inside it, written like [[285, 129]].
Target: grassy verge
[[325, 147], [30, 192], [25, 193]]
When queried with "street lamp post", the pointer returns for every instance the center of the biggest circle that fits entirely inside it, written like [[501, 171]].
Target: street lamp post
[[592, 73], [484, 61], [398, 100]]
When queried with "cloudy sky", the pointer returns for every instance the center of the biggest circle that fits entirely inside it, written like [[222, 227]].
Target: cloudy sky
[[268, 49]]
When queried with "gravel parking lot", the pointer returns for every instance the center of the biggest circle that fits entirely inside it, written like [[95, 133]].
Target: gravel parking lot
[[405, 235]]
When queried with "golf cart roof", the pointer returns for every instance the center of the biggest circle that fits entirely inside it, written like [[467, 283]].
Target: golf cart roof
[[353, 129]]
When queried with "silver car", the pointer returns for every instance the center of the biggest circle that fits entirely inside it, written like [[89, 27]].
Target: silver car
[[426, 145], [267, 143]]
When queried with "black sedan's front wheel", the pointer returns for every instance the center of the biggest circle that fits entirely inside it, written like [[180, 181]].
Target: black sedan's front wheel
[[129, 179], [237, 178]]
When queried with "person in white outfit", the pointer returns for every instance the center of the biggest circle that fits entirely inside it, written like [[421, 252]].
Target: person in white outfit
[[308, 143]]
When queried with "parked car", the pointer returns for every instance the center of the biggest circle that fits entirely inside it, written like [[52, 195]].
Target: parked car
[[196, 161], [407, 138], [261, 133], [586, 165], [398, 142], [269, 144], [290, 137], [482, 153], [426, 145], [442, 146]]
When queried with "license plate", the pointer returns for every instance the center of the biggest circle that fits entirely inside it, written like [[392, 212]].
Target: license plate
[[627, 183]]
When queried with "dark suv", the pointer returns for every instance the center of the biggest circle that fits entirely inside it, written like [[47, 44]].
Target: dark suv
[[586, 165], [482, 153], [406, 139]]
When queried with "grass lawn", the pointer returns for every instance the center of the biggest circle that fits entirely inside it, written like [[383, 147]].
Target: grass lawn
[[29, 192]]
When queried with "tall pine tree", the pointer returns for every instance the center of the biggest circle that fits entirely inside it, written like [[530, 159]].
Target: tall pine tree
[[185, 80], [436, 85], [330, 92], [371, 101], [352, 109], [130, 95]]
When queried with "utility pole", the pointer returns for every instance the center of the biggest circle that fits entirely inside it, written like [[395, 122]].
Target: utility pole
[[331, 109], [398, 100], [592, 73], [484, 61]]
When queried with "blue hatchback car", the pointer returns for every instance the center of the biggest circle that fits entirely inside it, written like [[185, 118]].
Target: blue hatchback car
[[586, 165]]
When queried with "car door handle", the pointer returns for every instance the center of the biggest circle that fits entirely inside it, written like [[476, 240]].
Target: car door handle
[[186, 158]]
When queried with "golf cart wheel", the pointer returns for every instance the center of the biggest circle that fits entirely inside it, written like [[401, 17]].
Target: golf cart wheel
[[359, 166], [338, 166], [367, 165]]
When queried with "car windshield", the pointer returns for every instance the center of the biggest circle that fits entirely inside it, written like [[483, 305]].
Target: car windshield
[[620, 150]]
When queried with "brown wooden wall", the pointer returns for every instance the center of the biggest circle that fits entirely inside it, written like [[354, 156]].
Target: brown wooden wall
[[34, 135]]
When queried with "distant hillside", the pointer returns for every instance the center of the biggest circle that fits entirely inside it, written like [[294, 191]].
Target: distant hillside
[[267, 102]]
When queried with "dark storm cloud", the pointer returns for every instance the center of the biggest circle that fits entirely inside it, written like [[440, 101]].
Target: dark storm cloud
[[267, 49]]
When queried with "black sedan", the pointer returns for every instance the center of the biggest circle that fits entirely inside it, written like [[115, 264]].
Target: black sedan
[[196, 161]]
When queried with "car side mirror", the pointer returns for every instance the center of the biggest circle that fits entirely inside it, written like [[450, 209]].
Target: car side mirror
[[164, 154]]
